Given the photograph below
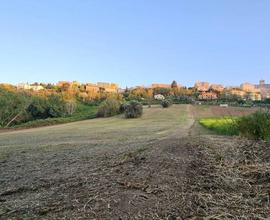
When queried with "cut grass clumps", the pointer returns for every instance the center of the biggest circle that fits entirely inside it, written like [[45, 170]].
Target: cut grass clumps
[[133, 109], [222, 126]]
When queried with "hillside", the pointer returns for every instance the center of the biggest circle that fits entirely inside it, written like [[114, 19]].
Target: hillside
[[160, 166]]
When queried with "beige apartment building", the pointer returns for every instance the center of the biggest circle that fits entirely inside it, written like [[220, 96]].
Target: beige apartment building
[[26, 86], [208, 96], [254, 96], [217, 87], [248, 87], [91, 87], [108, 87], [202, 86], [238, 92]]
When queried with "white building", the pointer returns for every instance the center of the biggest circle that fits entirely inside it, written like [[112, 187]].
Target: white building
[[26, 86]]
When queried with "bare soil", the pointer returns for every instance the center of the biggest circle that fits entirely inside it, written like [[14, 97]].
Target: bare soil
[[162, 166]]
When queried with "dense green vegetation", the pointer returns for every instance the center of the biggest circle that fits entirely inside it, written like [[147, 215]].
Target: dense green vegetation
[[82, 112], [254, 126], [166, 103], [20, 109], [12, 107], [223, 126], [109, 107], [133, 109]]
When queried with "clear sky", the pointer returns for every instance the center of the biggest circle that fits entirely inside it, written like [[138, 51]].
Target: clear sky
[[135, 42]]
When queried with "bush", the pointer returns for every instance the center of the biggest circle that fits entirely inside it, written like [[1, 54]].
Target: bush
[[56, 106], [133, 109], [255, 126], [70, 108], [166, 103], [38, 108], [122, 108], [42, 108], [108, 108]]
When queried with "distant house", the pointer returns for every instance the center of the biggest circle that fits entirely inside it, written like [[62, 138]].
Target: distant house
[[37, 87], [63, 83], [237, 92], [255, 96], [90, 87], [159, 97], [121, 91], [248, 87], [217, 87], [108, 87], [207, 96], [26, 86], [202, 86]]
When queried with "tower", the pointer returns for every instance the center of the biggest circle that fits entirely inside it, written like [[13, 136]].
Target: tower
[[262, 83]]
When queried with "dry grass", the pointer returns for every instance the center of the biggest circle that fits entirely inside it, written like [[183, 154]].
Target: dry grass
[[155, 123], [232, 181], [155, 167], [204, 111]]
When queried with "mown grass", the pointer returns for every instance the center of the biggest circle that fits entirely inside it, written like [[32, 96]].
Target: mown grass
[[82, 112], [155, 123], [222, 126]]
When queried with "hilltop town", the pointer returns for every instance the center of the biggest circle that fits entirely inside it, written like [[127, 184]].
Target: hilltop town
[[201, 90]]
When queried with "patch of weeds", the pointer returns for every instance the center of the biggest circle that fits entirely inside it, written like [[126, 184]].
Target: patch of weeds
[[223, 126]]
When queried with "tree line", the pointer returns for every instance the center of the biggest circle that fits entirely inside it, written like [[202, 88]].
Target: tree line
[[20, 107]]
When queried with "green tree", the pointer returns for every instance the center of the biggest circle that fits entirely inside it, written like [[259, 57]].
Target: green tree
[[12, 107], [174, 84]]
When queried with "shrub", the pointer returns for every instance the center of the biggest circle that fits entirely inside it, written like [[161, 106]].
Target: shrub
[[255, 126], [108, 108], [51, 107], [38, 108], [122, 108], [70, 108], [56, 106], [133, 109], [166, 103]]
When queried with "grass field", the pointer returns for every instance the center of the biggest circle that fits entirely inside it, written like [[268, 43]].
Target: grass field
[[159, 166], [155, 123]]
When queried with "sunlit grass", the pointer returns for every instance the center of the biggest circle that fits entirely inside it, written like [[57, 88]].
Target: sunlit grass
[[223, 126]]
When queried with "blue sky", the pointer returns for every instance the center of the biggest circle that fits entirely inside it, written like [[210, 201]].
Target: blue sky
[[135, 42]]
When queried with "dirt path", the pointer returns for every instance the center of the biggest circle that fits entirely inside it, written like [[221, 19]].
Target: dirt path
[[157, 167]]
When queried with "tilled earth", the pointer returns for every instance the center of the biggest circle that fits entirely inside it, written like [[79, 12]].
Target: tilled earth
[[181, 176]]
